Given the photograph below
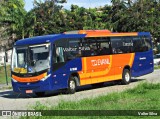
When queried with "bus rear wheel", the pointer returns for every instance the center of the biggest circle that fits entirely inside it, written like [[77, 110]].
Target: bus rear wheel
[[126, 77], [40, 94], [72, 85]]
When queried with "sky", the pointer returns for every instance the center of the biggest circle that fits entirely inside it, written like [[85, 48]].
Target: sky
[[81, 3]]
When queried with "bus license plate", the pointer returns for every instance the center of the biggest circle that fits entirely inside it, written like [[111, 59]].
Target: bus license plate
[[29, 91]]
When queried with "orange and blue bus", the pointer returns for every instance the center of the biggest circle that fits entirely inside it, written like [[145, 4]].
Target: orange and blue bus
[[72, 59]]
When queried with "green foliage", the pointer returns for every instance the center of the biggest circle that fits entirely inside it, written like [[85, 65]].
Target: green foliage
[[12, 14], [138, 16], [157, 67], [48, 17], [2, 74]]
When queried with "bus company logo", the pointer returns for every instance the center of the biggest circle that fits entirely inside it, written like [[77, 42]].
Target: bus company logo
[[84, 48], [6, 113], [69, 49], [74, 49], [100, 62]]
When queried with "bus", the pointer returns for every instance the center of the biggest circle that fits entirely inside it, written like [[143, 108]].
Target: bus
[[77, 58]]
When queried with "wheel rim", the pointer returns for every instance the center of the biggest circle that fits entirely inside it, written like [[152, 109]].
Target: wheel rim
[[72, 85], [127, 77]]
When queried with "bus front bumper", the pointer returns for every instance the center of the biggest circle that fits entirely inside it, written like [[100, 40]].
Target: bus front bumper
[[40, 86]]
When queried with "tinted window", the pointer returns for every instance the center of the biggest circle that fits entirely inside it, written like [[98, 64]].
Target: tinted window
[[91, 45], [104, 47], [147, 42], [78, 47], [117, 45], [73, 49], [127, 45], [141, 44], [96, 46]]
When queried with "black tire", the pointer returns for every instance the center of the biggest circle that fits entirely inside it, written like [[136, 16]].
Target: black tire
[[71, 85], [40, 94], [126, 77], [98, 85]]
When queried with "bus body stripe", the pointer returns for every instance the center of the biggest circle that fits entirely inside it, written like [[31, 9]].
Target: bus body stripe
[[111, 71], [110, 34], [85, 67], [131, 59], [29, 79]]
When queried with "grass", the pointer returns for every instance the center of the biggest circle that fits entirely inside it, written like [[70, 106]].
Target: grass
[[3, 76], [156, 66], [144, 97], [6, 87]]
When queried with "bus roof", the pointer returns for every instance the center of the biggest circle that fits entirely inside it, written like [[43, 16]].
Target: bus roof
[[76, 34], [46, 39]]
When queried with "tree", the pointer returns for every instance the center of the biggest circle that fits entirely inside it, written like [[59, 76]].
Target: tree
[[49, 17], [12, 15]]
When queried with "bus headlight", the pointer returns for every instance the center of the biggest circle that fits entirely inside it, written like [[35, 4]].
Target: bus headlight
[[43, 79], [14, 80]]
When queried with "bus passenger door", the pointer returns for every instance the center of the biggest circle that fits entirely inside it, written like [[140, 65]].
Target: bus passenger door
[[59, 70]]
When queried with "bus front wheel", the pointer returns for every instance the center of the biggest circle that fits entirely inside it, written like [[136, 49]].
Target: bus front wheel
[[72, 85], [126, 77]]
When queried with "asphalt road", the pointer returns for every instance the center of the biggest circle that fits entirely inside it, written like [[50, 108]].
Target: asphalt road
[[13, 101]]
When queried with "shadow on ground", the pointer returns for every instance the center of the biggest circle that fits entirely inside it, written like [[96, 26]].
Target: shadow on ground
[[10, 94]]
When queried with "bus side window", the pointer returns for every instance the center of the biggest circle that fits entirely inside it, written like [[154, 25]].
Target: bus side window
[[137, 44], [74, 46], [141, 44], [147, 43], [90, 44], [59, 55], [104, 49], [117, 45], [127, 45]]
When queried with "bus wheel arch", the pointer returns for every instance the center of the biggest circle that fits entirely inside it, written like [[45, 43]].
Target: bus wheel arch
[[77, 79], [126, 75], [127, 67], [73, 82]]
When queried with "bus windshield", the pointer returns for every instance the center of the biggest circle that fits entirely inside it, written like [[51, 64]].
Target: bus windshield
[[30, 59]]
